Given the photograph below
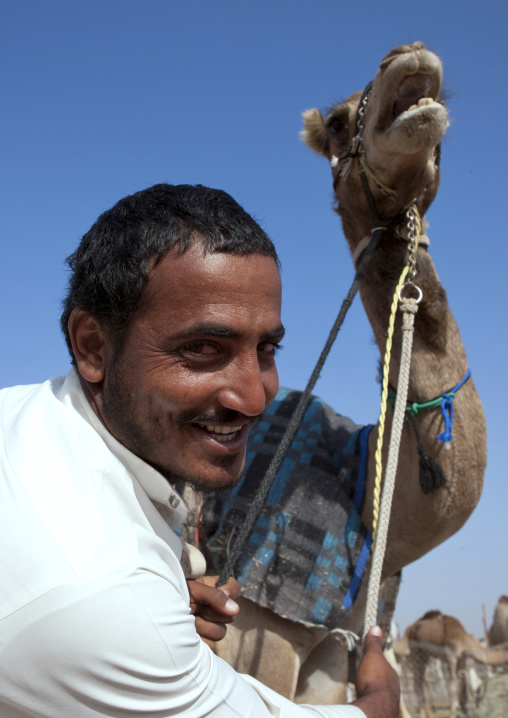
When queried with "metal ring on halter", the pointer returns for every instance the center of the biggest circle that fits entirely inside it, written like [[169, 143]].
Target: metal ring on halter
[[419, 294]]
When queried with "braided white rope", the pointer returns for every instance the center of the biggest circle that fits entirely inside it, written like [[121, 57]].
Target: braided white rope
[[409, 308]]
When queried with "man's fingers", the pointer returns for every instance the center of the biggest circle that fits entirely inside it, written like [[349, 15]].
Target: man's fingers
[[203, 596], [216, 604], [210, 614], [231, 587], [374, 640], [375, 675], [210, 632], [226, 607], [219, 599]]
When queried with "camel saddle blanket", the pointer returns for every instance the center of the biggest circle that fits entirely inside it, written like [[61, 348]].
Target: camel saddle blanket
[[307, 552]]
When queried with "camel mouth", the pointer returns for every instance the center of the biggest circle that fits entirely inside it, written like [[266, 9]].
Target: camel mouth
[[414, 92], [410, 82], [404, 114]]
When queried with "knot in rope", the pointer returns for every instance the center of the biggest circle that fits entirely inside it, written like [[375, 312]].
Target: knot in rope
[[408, 306], [447, 412]]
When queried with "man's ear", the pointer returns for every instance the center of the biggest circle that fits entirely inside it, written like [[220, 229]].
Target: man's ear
[[89, 345]]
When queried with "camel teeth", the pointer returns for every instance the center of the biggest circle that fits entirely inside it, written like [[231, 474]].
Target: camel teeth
[[422, 102]]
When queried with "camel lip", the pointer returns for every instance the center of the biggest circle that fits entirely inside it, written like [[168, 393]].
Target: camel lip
[[431, 114], [407, 79]]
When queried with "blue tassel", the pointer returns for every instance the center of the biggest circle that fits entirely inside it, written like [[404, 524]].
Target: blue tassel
[[447, 412]]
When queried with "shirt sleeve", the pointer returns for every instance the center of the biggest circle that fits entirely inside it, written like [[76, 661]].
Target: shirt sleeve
[[127, 647]]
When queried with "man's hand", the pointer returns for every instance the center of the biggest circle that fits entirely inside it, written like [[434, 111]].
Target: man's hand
[[377, 684], [213, 607]]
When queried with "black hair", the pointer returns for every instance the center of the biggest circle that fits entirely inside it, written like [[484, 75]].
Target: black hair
[[111, 266]]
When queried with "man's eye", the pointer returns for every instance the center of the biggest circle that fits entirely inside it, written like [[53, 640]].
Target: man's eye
[[201, 349], [270, 348]]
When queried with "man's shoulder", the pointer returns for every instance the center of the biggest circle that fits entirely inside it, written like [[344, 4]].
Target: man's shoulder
[[17, 393], [44, 436], [14, 398]]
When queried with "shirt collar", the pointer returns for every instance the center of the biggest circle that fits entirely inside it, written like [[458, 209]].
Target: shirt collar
[[154, 484]]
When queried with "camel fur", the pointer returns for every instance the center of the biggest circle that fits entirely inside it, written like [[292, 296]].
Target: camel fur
[[403, 125]]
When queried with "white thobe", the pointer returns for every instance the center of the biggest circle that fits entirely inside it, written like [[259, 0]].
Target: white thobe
[[94, 607]]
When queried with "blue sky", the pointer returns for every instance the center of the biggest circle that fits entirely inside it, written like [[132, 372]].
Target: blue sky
[[101, 99]]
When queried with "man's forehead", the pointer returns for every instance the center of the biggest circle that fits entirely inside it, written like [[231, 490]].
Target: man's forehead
[[189, 271], [196, 281]]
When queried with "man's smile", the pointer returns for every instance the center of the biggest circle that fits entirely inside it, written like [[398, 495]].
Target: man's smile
[[234, 436], [221, 433]]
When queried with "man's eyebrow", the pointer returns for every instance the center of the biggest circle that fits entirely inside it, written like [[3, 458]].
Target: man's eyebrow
[[276, 335], [211, 329]]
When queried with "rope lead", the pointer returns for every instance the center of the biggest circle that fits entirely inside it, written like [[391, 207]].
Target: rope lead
[[381, 509], [409, 308]]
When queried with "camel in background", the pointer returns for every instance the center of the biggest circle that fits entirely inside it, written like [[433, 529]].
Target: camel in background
[[444, 637], [380, 167], [498, 632]]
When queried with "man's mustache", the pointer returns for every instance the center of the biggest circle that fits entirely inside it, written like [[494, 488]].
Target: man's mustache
[[228, 416]]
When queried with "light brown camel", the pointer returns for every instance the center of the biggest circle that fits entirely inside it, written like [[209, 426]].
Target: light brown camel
[[443, 637], [498, 632], [403, 124]]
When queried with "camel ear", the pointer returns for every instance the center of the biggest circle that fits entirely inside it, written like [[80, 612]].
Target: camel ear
[[314, 132]]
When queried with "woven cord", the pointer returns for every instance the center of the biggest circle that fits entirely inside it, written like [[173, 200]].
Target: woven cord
[[409, 269], [409, 308], [384, 402], [264, 487]]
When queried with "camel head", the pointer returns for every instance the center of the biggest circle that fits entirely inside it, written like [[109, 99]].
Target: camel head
[[498, 632], [391, 134]]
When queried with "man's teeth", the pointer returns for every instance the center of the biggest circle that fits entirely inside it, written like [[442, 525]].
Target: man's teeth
[[422, 102], [221, 433], [214, 429]]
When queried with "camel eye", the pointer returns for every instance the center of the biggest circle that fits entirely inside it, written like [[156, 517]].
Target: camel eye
[[336, 125], [338, 122]]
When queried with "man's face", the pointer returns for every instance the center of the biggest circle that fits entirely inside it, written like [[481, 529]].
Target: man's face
[[197, 366]]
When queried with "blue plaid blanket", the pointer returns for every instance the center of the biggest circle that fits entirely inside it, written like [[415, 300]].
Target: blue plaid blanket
[[306, 555]]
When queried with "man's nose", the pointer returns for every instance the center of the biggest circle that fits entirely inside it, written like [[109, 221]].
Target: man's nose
[[248, 389]]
